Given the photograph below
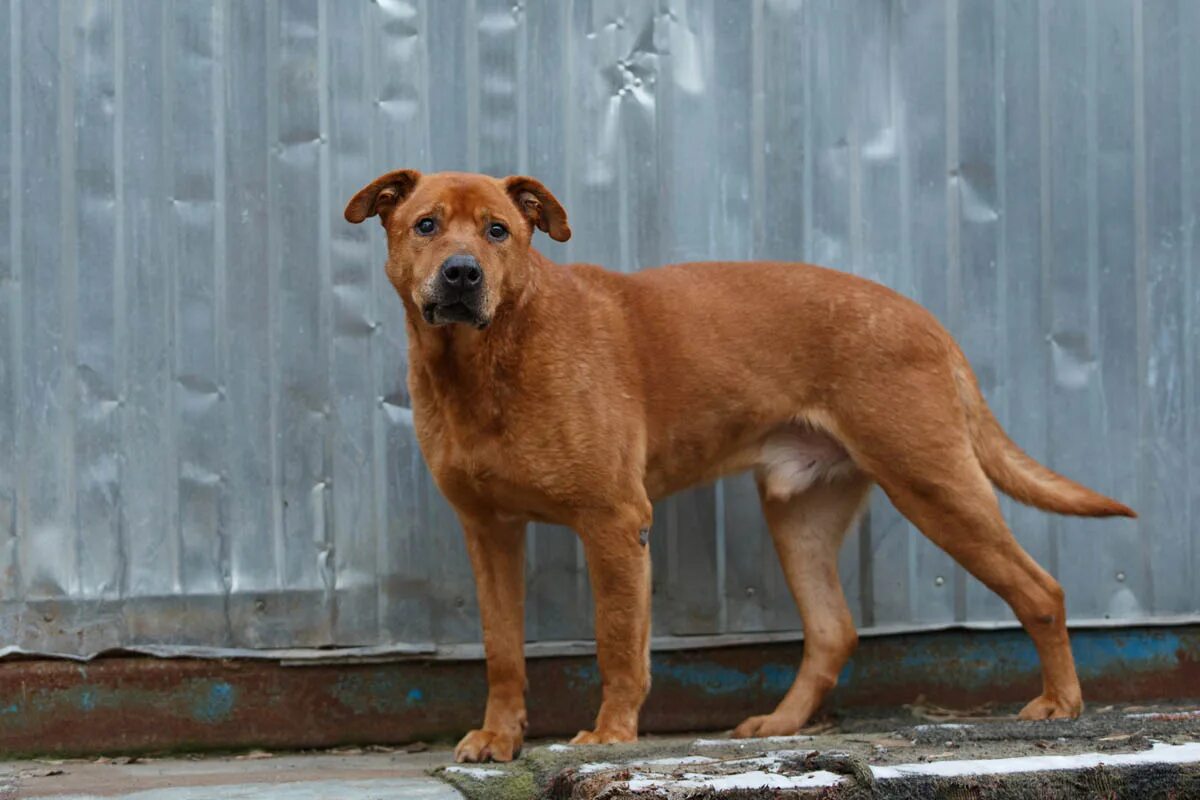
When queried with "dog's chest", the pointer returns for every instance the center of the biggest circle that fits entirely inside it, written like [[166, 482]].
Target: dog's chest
[[510, 465]]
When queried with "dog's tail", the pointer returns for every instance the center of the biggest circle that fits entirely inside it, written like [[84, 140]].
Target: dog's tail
[[1016, 473]]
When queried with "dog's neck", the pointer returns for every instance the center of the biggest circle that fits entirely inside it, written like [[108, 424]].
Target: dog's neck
[[460, 364]]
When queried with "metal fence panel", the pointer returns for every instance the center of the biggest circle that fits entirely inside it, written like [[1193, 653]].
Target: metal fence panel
[[205, 434]]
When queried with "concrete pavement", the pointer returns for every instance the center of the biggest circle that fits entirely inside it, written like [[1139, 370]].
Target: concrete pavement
[[1116, 752]]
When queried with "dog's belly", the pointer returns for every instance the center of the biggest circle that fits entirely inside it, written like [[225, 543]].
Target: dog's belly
[[793, 458], [787, 458]]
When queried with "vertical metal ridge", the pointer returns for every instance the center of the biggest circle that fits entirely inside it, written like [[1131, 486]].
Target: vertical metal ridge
[[954, 183], [471, 23], [121, 290], [1189, 80], [168, 210], [758, 134], [274, 267], [1000, 148], [904, 169], [1047, 252], [953, 171], [721, 544], [806, 204], [379, 489], [325, 323], [221, 344], [1093, 201], [522, 80], [15, 334], [1141, 267], [69, 264], [854, 200]]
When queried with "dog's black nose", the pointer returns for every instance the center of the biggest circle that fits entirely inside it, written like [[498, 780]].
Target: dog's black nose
[[462, 272]]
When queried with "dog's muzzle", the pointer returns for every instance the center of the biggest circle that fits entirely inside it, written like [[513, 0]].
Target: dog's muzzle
[[457, 293]]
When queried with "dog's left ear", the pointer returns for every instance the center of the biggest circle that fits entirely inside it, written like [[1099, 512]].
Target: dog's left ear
[[539, 206], [381, 196]]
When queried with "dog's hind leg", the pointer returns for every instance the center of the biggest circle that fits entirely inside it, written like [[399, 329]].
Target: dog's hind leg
[[926, 464], [964, 520], [808, 529]]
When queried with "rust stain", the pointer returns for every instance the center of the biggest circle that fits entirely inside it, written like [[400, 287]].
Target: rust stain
[[138, 704]]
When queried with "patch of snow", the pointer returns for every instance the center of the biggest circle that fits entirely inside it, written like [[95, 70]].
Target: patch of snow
[[1165, 715], [598, 766], [944, 726], [559, 748], [1158, 754], [478, 773], [749, 742], [756, 779], [673, 762]]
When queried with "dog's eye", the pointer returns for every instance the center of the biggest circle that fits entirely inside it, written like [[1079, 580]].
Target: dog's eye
[[426, 226], [497, 232]]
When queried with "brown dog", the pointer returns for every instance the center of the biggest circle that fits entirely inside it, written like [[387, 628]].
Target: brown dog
[[573, 395]]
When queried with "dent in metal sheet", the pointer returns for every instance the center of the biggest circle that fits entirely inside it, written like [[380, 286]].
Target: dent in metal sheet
[[1073, 360]]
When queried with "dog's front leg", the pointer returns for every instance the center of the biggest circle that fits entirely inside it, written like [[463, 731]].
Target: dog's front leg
[[497, 550], [618, 558]]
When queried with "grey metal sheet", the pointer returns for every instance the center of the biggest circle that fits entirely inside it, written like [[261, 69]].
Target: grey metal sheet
[[11, 586], [205, 434]]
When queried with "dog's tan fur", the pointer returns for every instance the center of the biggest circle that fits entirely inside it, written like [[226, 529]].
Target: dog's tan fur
[[590, 394]]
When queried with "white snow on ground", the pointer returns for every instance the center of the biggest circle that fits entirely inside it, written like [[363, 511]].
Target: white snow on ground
[[672, 762], [1158, 754], [598, 766], [757, 779], [748, 742], [478, 773], [760, 779], [944, 726], [1165, 715]]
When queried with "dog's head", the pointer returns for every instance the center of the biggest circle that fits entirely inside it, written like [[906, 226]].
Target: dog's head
[[458, 244]]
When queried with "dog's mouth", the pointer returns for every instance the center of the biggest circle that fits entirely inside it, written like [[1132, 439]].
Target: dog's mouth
[[455, 312]]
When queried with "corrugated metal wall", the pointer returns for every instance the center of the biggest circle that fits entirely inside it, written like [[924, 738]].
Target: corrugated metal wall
[[204, 431]]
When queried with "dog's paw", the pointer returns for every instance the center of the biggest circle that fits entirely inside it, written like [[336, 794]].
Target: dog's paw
[[766, 725], [485, 745], [1047, 707], [599, 736]]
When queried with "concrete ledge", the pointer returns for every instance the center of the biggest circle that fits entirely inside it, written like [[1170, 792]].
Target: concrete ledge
[[131, 705], [883, 765]]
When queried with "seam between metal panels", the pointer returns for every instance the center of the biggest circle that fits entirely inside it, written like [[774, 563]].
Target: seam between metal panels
[[328, 572], [953, 188], [16, 336], [1001, 405], [171, 224], [1045, 173], [221, 38], [69, 255], [1189, 66], [274, 267], [379, 471], [120, 290], [1141, 268]]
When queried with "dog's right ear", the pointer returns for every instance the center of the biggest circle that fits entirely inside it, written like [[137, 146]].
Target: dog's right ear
[[382, 195]]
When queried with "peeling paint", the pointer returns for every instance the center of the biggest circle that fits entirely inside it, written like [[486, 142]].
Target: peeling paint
[[215, 704]]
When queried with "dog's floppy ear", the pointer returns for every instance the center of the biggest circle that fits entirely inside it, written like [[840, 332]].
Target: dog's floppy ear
[[539, 206], [381, 195]]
